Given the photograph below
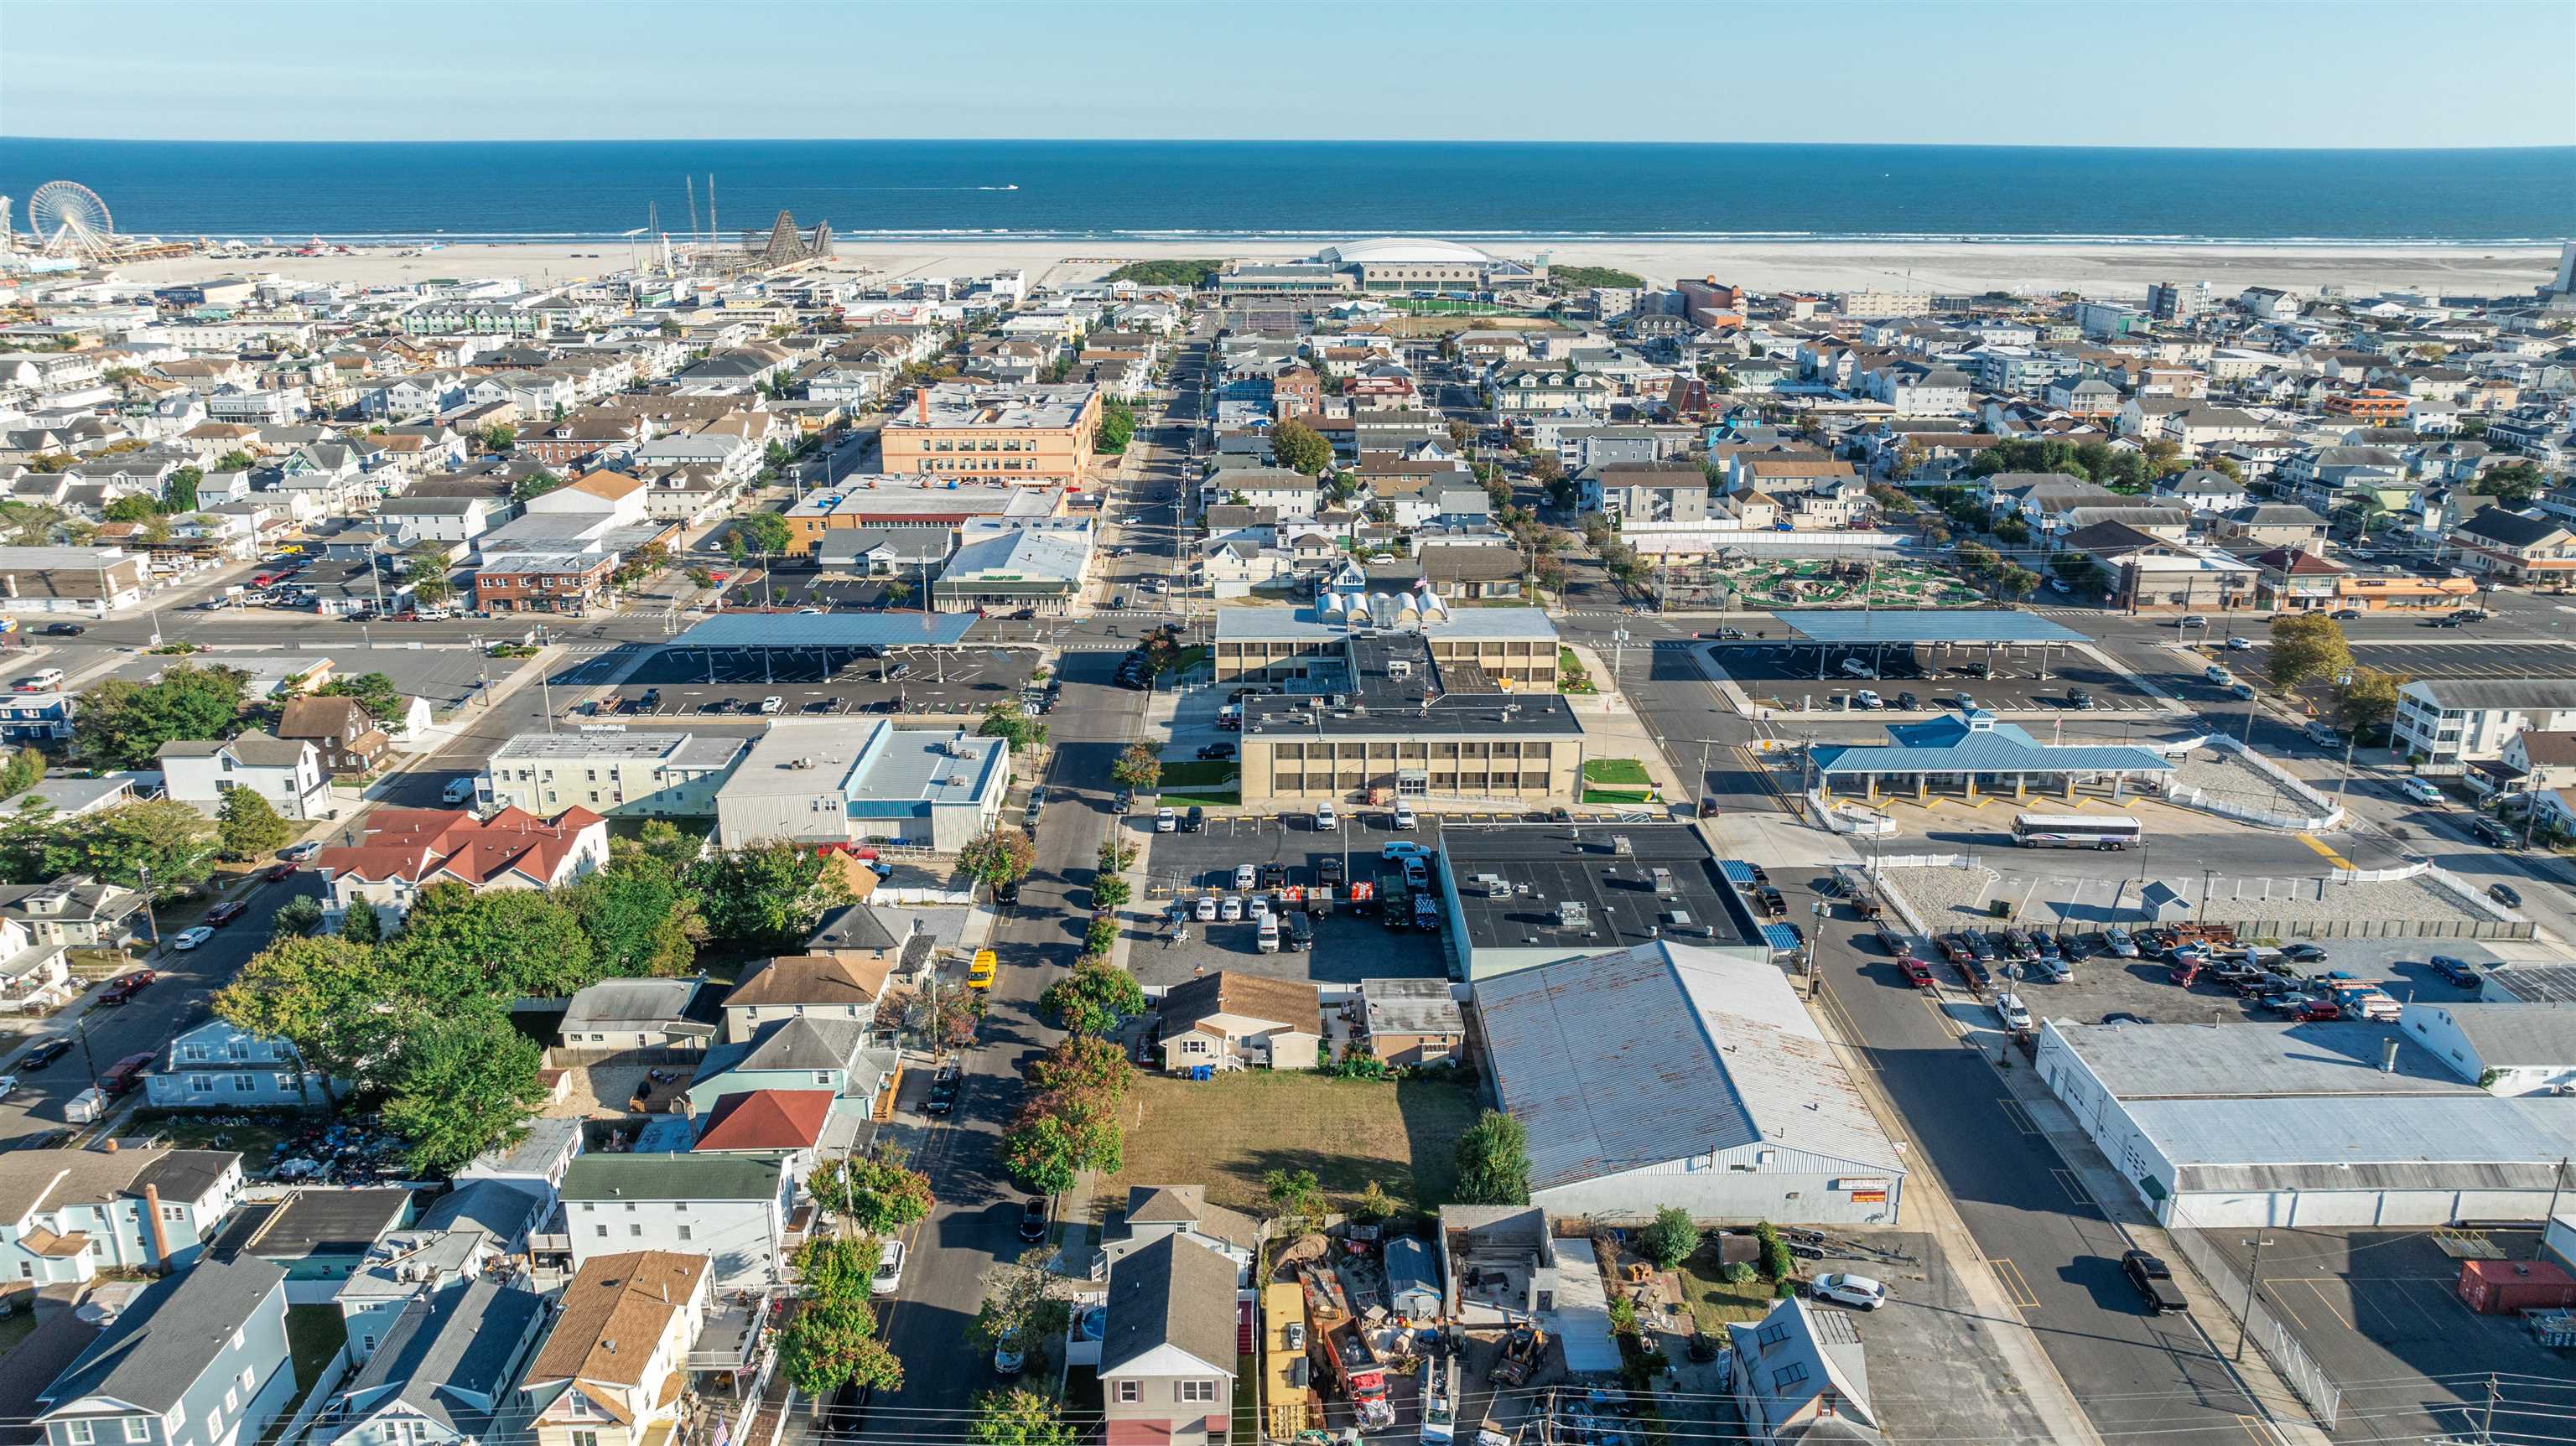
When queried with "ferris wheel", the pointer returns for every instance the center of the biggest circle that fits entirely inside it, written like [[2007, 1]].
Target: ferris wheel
[[66, 218]]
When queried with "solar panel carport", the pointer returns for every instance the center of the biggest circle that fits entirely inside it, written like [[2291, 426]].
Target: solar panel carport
[[1874, 632], [835, 638]]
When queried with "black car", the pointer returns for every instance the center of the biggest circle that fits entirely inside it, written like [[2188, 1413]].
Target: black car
[[943, 1091], [1217, 751], [1024, 615], [46, 1053], [652, 698], [2456, 971], [1007, 895], [2079, 700], [1328, 869], [2074, 947], [2304, 953], [2505, 894], [1982, 945], [1194, 820], [2491, 833], [1273, 876], [1033, 1218], [2155, 1282], [65, 630], [1907, 703]]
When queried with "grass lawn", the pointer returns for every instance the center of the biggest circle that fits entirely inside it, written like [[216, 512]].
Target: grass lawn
[[1201, 773], [1197, 800], [1615, 771], [1713, 1302], [1181, 660], [1570, 676], [1230, 1131], [314, 1334]]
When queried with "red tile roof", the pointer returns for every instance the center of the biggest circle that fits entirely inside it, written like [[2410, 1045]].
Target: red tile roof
[[425, 845], [767, 1120]]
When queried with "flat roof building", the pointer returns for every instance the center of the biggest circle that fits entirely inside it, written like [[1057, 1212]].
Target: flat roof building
[[2239, 1125], [647, 774], [836, 782], [1515, 647], [1520, 895], [1013, 435], [1672, 1074]]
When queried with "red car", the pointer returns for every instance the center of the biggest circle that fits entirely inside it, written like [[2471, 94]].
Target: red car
[[126, 986], [2318, 1011], [225, 912], [279, 874], [1917, 973]]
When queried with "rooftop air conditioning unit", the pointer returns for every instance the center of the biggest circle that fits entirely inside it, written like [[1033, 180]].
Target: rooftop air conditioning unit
[[1663, 883], [1571, 915], [1620, 846]]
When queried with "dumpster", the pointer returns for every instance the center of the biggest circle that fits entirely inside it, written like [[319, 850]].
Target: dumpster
[[2504, 1287]]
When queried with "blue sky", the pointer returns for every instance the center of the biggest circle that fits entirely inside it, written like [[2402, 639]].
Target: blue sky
[[2089, 72]]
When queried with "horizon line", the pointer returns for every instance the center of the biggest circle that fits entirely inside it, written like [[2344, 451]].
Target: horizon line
[[1264, 141]]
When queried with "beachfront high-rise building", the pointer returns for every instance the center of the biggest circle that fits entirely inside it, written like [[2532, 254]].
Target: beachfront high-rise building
[[1020, 435], [2177, 301]]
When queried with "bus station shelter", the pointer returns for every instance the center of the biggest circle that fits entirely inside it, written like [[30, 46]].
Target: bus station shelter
[[1970, 755], [831, 639], [1932, 637]]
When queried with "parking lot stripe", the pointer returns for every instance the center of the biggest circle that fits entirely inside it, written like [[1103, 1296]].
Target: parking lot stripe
[[2016, 1289], [2074, 1189], [2316, 1286], [2321, 846], [2020, 1117]]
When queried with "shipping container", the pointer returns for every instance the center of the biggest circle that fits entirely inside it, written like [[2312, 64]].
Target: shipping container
[[2503, 1287]]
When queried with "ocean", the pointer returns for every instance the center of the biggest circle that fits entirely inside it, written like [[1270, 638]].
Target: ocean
[[1174, 190]]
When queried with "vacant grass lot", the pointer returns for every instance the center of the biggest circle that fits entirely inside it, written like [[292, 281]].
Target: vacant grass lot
[[1713, 1302], [1230, 1131]]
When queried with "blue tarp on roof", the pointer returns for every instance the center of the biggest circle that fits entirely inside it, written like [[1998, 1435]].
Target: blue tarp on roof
[[828, 630], [1974, 625], [1737, 871], [1782, 938]]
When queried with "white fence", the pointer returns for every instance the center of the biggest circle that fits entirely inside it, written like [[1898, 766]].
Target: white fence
[[318, 1400]]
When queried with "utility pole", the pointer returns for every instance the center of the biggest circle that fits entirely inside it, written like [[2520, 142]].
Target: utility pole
[[2245, 1317], [2347, 769], [2557, 1178]]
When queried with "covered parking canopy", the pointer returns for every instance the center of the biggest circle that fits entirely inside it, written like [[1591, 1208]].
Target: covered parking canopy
[[1873, 631], [833, 638]]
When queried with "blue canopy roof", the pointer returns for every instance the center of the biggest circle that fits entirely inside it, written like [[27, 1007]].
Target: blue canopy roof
[[1973, 742], [1782, 938], [1737, 871], [828, 630], [1925, 625]]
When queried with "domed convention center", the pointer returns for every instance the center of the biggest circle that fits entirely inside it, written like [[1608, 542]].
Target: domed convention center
[[1386, 265]]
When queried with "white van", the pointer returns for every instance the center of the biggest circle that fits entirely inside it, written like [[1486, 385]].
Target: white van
[[43, 680], [889, 1276], [1269, 937], [458, 790]]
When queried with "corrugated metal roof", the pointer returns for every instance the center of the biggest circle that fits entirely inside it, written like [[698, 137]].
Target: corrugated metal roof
[[1926, 625], [2248, 1059], [1652, 1054], [1782, 938], [2345, 1142]]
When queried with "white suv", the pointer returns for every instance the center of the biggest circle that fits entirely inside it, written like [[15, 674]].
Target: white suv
[[1326, 821], [1404, 816]]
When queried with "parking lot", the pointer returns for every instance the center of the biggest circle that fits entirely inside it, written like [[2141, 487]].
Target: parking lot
[[2108, 989], [1348, 946], [966, 681], [1785, 674], [2469, 660], [1928, 1360], [2378, 1310]]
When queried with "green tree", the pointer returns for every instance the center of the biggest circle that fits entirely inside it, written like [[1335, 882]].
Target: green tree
[[1300, 448], [375, 692], [2016, 582], [299, 915], [179, 492], [171, 842], [1017, 1417], [1024, 1301], [1670, 1239], [768, 895], [503, 945], [497, 438], [461, 1084], [831, 1343], [361, 924], [1140, 767], [123, 724], [236, 460], [1092, 998], [1012, 723], [1294, 1196], [250, 825], [2366, 705], [2306, 648], [2515, 484], [636, 921], [24, 770], [1493, 1162], [1049, 1148], [1082, 1063], [1109, 892], [998, 856], [329, 995], [879, 1191], [132, 507], [535, 485], [766, 533], [1117, 428]]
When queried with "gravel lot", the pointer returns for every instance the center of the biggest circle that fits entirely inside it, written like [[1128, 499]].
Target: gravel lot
[[2225, 775]]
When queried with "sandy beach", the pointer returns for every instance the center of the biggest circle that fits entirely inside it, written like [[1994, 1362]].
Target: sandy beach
[[2092, 268]]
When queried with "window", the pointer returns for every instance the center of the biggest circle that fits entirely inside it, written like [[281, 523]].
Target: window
[[81, 1433], [138, 1428], [201, 1084], [1788, 1375], [1194, 1390], [244, 1084], [603, 1232], [635, 1232], [585, 1438], [1128, 1392], [684, 1232]]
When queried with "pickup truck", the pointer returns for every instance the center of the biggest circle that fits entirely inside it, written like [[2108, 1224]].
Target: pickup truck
[[2154, 1282]]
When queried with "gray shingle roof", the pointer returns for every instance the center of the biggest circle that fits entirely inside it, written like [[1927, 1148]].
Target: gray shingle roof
[[1174, 1292], [446, 1351], [171, 1333]]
